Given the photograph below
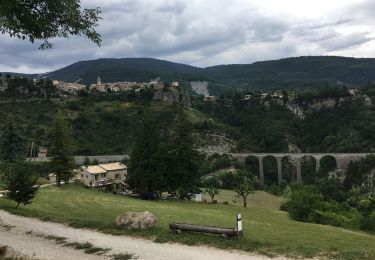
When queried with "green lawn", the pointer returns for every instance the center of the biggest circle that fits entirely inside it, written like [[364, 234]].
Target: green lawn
[[266, 229], [260, 199]]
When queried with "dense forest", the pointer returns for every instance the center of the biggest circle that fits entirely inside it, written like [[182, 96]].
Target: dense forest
[[267, 125], [253, 124]]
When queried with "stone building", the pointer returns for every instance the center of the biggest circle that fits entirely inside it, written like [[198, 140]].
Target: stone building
[[42, 152], [69, 88], [104, 176]]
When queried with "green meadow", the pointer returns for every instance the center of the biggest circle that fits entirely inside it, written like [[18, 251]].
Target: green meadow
[[267, 230]]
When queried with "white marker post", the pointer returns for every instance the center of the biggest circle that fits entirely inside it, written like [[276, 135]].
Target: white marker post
[[239, 225]]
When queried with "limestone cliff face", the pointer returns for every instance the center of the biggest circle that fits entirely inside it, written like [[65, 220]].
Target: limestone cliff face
[[296, 109], [172, 95], [200, 87], [317, 104], [213, 143]]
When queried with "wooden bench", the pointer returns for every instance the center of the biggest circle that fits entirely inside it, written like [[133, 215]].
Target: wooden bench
[[225, 232]]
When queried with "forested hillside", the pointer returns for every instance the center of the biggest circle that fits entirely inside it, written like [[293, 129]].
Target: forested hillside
[[127, 69], [100, 124], [297, 72], [289, 73], [267, 125], [105, 124]]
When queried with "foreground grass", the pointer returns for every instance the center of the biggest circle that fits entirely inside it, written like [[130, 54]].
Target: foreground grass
[[266, 229]]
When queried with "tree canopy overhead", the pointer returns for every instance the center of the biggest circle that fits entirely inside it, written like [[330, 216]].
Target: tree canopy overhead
[[45, 19]]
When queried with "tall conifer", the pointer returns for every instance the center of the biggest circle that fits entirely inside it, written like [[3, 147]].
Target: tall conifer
[[11, 144], [62, 161], [144, 166]]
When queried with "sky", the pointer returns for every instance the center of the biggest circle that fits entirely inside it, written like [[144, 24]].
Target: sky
[[208, 32]]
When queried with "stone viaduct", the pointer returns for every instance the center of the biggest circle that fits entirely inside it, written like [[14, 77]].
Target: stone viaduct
[[342, 160]]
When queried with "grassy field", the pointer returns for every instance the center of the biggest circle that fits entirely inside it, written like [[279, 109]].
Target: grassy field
[[266, 229], [260, 199]]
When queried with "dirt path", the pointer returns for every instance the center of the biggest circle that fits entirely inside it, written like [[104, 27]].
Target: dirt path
[[18, 237]]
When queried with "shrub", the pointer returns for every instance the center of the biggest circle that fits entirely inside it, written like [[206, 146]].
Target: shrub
[[328, 218], [368, 222], [274, 189], [303, 202], [371, 221], [227, 180], [355, 219]]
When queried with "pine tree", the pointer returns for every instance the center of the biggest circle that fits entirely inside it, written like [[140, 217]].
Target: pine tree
[[21, 183], [144, 166], [11, 144], [62, 161], [183, 174]]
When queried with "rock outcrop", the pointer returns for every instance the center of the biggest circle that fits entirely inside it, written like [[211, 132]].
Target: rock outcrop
[[136, 220], [213, 143]]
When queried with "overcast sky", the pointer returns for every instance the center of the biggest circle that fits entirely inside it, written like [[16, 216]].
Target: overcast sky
[[208, 32]]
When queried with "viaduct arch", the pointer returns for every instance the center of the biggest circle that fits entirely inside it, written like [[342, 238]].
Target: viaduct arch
[[342, 161]]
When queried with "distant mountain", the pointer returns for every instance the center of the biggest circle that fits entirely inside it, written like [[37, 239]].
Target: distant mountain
[[16, 74], [299, 72], [296, 72], [126, 69]]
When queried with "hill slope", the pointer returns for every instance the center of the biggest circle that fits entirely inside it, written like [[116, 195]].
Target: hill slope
[[127, 69], [285, 73], [297, 72], [289, 73]]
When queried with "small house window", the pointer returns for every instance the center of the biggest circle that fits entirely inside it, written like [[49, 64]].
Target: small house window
[[96, 177]]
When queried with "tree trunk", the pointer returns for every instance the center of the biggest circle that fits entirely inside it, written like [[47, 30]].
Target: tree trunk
[[18, 204], [244, 201], [58, 181], [212, 198], [203, 229]]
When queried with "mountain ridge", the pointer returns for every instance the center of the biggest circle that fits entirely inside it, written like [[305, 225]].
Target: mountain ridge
[[293, 72]]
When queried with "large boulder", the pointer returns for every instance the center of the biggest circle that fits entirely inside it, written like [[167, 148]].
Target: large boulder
[[136, 220], [3, 251]]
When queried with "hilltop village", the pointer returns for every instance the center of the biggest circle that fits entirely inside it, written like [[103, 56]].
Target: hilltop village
[[40, 88]]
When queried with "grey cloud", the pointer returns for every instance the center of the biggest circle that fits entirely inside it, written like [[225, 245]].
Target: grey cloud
[[173, 7], [267, 29], [325, 24], [346, 41], [198, 32]]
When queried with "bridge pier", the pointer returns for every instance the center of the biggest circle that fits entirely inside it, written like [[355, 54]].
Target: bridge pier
[[298, 168], [317, 164], [279, 170], [261, 172]]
